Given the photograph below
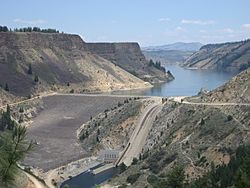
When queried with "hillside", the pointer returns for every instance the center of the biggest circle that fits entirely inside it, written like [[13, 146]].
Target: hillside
[[167, 57], [195, 137], [59, 60], [129, 57], [179, 46], [171, 53], [222, 57]]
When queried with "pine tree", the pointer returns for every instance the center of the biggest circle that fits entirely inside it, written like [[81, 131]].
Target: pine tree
[[30, 69], [6, 88]]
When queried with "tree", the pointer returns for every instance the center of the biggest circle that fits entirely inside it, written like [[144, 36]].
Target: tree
[[135, 161], [176, 177], [13, 148], [36, 79], [6, 121], [122, 168], [30, 69], [6, 88]]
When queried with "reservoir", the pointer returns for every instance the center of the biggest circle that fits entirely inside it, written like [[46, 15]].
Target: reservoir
[[186, 83]]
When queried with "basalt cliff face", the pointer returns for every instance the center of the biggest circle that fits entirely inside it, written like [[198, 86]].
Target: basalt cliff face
[[233, 56], [59, 61], [129, 57]]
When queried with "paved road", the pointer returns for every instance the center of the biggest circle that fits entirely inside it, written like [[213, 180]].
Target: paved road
[[139, 136]]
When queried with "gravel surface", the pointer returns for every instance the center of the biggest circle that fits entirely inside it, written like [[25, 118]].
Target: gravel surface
[[54, 128]]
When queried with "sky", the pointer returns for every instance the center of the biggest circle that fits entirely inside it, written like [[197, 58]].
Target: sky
[[149, 22]]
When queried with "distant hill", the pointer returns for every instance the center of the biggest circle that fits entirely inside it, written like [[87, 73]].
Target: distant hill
[[171, 53], [59, 61], [168, 57], [180, 46], [234, 56]]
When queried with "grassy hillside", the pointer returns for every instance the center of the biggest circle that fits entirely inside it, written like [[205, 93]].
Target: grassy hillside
[[222, 57], [57, 60]]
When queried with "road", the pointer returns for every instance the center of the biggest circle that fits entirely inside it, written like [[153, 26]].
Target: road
[[139, 136], [181, 100]]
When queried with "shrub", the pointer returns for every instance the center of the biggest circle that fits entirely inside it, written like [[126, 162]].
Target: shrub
[[133, 178]]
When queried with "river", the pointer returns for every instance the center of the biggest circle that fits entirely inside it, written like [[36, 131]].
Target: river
[[186, 83]]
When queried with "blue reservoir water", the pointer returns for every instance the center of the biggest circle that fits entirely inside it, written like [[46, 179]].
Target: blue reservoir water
[[186, 83]]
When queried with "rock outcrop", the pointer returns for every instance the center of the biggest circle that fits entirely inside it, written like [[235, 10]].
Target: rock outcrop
[[129, 57], [222, 57], [58, 60]]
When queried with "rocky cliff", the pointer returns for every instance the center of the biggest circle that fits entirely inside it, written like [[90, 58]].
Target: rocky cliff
[[129, 57], [58, 60], [222, 57]]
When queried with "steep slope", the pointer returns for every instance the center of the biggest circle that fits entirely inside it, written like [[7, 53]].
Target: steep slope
[[58, 60], [222, 57], [193, 136], [5, 97], [129, 57]]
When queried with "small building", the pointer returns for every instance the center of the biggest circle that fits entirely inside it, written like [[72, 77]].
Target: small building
[[108, 156]]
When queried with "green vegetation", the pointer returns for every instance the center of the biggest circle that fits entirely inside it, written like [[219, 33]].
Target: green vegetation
[[36, 79], [13, 148], [6, 88], [157, 65], [174, 179], [235, 174], [30, 69], [133, 178], [6, 121], [28, 29], [122, 168]]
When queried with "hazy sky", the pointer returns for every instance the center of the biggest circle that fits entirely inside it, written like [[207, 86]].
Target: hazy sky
[[149, 22]]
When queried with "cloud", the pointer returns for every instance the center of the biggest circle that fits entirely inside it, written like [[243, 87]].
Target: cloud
[[180, 29], [29, 22], [227, 30], [164, 19], [198, 22], [247, 25]]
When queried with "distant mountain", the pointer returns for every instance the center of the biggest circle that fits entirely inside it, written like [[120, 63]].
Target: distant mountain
[[231, 56], [180, 46]]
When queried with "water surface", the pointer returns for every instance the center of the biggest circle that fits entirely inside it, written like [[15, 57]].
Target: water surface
[[186, 83]]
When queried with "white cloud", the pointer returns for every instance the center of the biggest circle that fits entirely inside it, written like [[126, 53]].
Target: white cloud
[[198, 22], [164, 19], [227, 30], [247, 25], [180, 29], [29, 22]]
